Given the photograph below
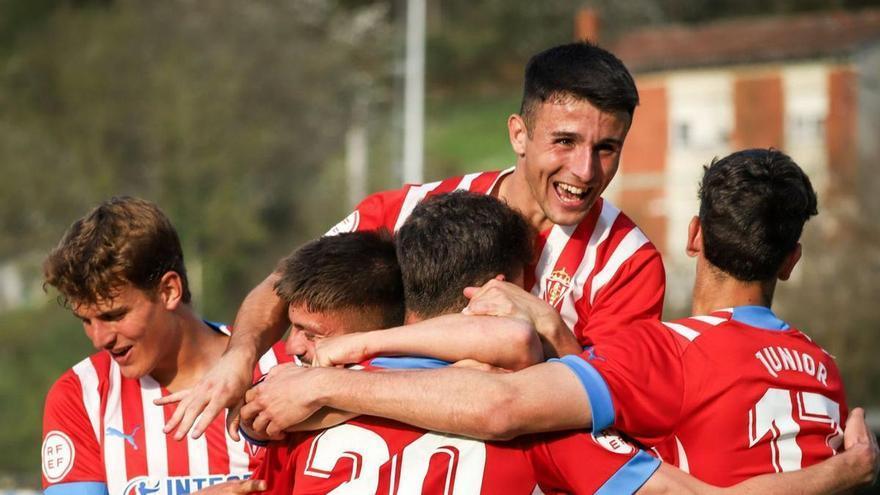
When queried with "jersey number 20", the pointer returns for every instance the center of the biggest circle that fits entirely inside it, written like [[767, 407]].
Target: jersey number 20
[[368, 452]]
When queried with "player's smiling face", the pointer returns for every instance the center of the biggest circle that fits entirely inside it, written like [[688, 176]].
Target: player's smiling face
[[133, 327], [568, 160]]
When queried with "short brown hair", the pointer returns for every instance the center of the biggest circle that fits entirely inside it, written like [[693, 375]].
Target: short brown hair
[[121, 241], [355, 270]]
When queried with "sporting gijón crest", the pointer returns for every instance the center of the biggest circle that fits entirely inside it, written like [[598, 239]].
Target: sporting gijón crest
[[556, 286]]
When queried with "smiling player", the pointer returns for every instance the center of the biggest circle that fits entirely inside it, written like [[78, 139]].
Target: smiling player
[[120, 270], [595, 268]]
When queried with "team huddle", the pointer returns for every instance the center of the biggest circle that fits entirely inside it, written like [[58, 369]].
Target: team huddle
[[495, 333]]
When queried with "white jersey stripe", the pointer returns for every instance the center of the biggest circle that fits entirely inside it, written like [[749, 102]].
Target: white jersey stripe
[[556, 240], [711, 320], [88, 380], [197, 450], [114, 445], [268, 361], [238, 457], [600, 232], [154, 420], [413, 196], [465, 184], [682, 330], [633, 240]]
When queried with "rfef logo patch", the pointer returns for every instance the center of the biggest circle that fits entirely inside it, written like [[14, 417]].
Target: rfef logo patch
[[611, 441], [58, 454]]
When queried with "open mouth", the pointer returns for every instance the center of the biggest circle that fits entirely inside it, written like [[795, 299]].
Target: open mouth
[[120, 353], [568, 193]]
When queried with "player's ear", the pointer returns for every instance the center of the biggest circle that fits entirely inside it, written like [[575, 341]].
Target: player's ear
[[518, 133], [170, 290], [695, 237], [789, 263]]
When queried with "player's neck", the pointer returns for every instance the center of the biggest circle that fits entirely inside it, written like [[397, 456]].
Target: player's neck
[[715, 290], [198, 347], [514, 190]]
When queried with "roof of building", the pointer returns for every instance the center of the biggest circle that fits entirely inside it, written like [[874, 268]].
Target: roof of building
[[748, 40]]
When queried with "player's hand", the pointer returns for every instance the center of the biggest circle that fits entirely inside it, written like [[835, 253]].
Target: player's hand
[[283, 399], [234, 487], [341, 350], [222, 387], [860, 445], [499, 298]]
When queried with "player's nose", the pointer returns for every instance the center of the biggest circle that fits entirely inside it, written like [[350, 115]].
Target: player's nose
[[101, 334], [296, 344], [583, 164]]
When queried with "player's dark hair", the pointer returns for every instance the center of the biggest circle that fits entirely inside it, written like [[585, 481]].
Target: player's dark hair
[[579, 70], [452, 241], [753, 206], [355, 270], [123, 240]]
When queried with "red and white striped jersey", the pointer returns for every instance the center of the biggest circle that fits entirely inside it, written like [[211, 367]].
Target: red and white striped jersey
[[726, 397], [376, 455], [601, 273], [100, 428]]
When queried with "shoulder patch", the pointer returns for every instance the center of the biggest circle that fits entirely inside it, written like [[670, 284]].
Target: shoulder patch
[[611, 441], [58, 453], [348, 224]]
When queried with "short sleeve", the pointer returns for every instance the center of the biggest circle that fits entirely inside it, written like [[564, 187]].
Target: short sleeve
[[634, 293], [634, 381], [376, 211], [582, 463], [70, 449]]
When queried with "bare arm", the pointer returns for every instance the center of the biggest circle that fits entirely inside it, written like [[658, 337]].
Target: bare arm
[[501, 342], [500, 298], [454, 400], [261, 321]]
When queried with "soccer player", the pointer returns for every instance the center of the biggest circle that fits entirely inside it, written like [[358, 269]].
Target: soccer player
[[595, 269], [120, 270], [448, 243], [731, 393]]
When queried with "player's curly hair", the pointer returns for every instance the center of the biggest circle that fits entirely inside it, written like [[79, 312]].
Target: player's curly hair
[[123, 240], [345, 271], [753, 206], [455, 240]]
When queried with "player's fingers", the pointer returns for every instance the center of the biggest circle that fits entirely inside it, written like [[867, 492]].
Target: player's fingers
[[248, 486], [249, 412], [470, 292], [272, 430], [233, 421], [260, 423], [203, 420], [172, 398], [177, 416]]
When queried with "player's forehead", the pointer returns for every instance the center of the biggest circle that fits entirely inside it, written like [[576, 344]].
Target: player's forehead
[[568, 114], [331, 321], [123, 296]]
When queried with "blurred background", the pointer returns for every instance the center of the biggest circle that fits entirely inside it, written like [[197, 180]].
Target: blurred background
[[257, 125]]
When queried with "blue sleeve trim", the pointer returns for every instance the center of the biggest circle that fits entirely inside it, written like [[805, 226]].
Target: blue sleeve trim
[[418, 363], [78, 488], [249, 439], [631, 476], [597, 391]]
